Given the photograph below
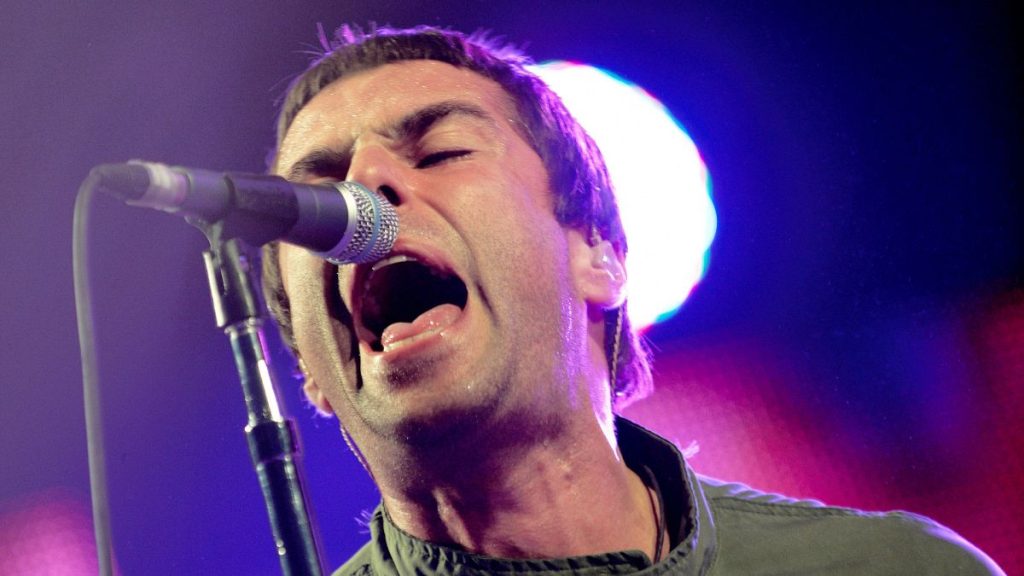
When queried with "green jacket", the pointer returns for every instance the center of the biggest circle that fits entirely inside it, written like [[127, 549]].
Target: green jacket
[[716, 529]]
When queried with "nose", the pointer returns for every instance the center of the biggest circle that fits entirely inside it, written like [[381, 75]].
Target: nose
[[380, 170]]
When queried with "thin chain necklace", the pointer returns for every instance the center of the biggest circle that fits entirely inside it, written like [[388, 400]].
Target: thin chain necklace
[[657, 508]]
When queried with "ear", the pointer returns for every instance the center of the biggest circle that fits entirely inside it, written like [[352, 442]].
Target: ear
[[313, 392], [598, 270]]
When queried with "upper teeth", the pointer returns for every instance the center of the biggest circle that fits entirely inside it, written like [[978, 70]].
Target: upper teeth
[[392, 260]]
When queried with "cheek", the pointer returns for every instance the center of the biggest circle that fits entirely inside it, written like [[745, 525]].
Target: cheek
[[529, 261], [321, 325], [306, 279], [514, 218]]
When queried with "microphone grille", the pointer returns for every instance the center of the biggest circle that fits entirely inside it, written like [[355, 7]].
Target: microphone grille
[[376, 226]]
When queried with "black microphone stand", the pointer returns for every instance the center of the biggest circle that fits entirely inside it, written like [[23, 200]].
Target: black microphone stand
[[273, 439]]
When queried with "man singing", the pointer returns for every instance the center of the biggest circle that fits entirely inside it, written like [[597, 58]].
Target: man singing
[[476, 369]]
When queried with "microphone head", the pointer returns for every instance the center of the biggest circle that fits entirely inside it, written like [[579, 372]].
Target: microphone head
[[374, 226]]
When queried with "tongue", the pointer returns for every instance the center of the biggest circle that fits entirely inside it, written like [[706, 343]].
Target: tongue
[[433, 320]]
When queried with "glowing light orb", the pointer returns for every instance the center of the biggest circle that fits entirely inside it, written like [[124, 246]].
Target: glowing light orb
[[661, 184]]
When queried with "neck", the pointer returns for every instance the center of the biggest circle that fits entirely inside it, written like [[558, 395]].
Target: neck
[[568, 495]]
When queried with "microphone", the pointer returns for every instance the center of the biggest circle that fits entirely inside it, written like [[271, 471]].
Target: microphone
[[343, 222]]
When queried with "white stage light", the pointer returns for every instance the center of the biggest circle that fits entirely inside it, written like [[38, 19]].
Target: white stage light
[[660, 180]]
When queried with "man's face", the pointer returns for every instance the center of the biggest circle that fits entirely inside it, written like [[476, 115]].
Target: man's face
[[477, 319]]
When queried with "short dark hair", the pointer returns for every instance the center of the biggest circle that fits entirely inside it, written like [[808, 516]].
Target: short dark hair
[[583, 194]]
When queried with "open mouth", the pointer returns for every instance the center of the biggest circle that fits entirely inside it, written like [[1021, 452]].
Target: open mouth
[[402, 289]]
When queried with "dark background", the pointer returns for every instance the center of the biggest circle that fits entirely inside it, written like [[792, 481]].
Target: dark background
[[858, 337]]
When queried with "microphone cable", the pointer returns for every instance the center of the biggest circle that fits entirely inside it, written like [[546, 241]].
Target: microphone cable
[[90, 376]]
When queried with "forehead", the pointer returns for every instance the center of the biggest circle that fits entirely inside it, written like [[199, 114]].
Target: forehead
[[373, 99]]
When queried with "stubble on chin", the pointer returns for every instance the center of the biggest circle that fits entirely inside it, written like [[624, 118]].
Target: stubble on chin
[[422, 416]]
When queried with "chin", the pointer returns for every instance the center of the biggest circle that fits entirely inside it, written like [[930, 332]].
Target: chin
[[459, 427], [426, 425]]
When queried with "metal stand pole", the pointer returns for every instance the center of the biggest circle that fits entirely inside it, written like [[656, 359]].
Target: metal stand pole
[[273, 441]]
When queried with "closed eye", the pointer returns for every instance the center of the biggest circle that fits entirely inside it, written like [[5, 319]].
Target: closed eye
[[441, 157]]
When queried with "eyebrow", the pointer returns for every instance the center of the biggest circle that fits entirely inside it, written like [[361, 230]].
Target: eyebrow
[[320, 162], [411, 127], [417, 123]]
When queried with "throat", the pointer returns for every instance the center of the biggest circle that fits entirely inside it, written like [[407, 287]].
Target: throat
[[544, 506]]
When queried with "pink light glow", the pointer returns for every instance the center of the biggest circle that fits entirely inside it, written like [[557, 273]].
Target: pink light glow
[[47, 533]]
